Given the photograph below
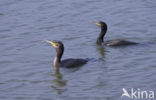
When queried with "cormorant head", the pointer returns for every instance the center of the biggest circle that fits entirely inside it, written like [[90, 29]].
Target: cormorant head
[[102, 25], [56, 44]]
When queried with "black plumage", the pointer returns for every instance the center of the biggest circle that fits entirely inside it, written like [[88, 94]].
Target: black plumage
[[116, 42], [68, 63]]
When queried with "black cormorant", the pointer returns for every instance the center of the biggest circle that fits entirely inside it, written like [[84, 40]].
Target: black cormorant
[[69, 63], [117, 42]]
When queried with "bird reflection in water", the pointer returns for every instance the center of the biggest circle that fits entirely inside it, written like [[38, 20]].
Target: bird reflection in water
[[58, 83], [102, 52]]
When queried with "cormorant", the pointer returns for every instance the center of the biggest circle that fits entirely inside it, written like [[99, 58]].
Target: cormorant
[[116, 42], [68, 63]]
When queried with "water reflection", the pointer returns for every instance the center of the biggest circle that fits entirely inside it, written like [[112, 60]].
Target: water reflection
[[58, 84], [102, 52]]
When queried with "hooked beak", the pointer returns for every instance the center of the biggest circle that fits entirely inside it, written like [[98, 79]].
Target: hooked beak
[[51, 42], [98, 24]]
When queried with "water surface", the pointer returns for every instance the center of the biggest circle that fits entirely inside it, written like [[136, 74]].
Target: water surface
[[26, 60]]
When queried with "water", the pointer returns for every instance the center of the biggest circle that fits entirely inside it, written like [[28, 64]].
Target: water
[[26, 60]]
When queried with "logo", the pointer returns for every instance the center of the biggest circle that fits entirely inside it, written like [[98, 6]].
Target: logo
[[137, 94]]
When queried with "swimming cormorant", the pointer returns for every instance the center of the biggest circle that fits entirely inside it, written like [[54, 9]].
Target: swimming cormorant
[[116, 42], [68, 63]]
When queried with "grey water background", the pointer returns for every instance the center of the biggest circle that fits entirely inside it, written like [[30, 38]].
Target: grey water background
[[26, 71]]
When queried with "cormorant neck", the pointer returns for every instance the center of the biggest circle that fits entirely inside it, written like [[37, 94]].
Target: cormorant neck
[[101, 35], [59, 53]]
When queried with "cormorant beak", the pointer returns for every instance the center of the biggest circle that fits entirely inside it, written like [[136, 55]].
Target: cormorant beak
[[98, 24], [51, 42]]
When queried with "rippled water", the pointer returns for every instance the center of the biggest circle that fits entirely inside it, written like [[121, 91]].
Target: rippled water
[[26, 60]]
